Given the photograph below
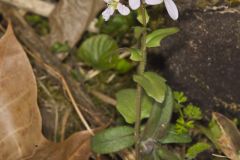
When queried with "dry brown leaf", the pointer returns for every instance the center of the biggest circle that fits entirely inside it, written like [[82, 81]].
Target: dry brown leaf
[[70, 19], [229, 141], [20, 120]]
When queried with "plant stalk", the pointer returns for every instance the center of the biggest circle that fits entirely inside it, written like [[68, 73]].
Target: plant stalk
[[141, 69]]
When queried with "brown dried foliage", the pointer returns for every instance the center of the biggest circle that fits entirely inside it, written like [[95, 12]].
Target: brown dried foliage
[[20, 120]]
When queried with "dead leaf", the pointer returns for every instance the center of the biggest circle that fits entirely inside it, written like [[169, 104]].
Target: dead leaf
[[20, 120], [229, 141], [70, 19]]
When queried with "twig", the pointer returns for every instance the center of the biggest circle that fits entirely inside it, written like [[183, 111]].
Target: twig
[[36, 6], [104, 98]]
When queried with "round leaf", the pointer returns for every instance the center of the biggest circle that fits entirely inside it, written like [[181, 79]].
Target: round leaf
[[99, 52], [126, 103], [153, 84]]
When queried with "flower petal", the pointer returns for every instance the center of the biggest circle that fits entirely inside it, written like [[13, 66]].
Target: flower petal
[[172, 9], [107, 1], [123, 10], [107, 13], [134, 4], [153, 2]]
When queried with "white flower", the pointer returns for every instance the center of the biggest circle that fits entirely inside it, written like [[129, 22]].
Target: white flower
[[107, 13], [170, 6], [153, 2], [112, 6], [134, 4], [172, 9]]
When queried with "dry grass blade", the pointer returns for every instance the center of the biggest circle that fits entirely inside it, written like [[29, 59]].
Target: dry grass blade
[[20, 120], [55, 73]]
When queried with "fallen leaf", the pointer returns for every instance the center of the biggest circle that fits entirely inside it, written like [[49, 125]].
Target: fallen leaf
[[70, 19], [229, 140], [20, 120]]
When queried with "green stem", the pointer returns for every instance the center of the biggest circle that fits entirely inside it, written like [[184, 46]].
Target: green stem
[[141, 69]]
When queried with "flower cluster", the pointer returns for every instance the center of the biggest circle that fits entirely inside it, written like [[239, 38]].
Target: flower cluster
[[135, 4]]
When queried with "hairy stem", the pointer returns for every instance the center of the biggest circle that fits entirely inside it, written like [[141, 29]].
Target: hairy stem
[[141, 69]]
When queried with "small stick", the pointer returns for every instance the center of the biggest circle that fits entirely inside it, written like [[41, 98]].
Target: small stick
[[104, 97]]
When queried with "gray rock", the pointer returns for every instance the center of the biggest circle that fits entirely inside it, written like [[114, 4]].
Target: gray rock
[[203, 60]]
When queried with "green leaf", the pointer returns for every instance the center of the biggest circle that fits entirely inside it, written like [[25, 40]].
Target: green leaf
[[192, 112], [213, 132], [159, 119], [153, 84], [173, 137], [179, 97], [154, 39], [123, 66], [182, 126], [136, 55], [113, 140], [197, 148], [126, 103], [99, 52], [140, 16]]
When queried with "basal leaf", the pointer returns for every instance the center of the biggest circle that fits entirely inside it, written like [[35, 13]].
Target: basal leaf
[[153, 84], [113, 140], [154, 39], [99, 52], [126, 104]]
